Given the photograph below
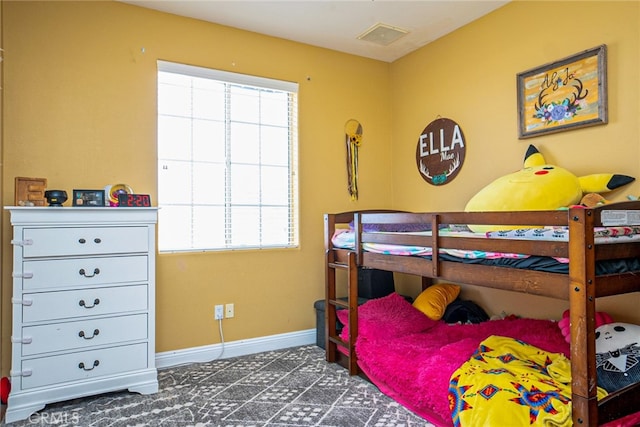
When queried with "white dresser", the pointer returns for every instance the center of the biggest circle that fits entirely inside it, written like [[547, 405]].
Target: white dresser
[[83, 304]]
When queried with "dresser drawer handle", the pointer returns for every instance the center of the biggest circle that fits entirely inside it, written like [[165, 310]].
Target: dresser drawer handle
[[83, 240], [84, 273], [95, 333], [81, 303], [95, 363], [23, 373], [23, 340]]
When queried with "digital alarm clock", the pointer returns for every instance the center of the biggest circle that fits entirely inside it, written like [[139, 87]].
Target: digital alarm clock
[[134, 200]]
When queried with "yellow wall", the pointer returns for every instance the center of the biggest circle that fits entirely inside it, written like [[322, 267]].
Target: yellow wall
[[470, 77], [80, 93], [79, 90]]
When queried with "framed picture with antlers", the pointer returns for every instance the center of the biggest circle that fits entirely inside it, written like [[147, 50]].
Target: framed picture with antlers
[[570, 93]]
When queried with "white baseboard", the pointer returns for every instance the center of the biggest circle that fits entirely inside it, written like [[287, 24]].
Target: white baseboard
[[208, 353]]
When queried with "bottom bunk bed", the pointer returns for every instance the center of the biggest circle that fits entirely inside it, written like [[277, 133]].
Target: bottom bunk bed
[[592, 253]]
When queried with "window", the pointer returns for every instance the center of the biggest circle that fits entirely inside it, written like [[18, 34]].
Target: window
[[227, 160]]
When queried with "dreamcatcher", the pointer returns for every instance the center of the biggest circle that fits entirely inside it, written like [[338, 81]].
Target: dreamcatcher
[[353, 138]]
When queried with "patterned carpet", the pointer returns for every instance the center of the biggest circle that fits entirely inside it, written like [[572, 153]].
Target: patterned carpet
[[285, 388]]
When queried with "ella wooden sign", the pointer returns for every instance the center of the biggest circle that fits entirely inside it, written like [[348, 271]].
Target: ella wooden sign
[[441, 151]]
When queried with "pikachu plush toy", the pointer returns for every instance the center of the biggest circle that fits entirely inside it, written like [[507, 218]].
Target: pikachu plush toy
[[541, 186]]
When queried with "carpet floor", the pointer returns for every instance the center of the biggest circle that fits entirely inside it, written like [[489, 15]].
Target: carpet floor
[[285, 388]]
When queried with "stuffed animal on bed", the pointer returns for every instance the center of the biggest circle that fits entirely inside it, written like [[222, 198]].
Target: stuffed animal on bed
[[540, 186], [617, 355], [601, 318]]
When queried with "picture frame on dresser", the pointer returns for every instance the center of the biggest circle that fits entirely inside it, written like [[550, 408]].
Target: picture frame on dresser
[[88, 198], [83, 304]]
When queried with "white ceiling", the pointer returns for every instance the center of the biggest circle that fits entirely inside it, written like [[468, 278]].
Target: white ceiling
[[336, 24]]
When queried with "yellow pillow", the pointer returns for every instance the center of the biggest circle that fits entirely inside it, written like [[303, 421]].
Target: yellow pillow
[[434, 300]]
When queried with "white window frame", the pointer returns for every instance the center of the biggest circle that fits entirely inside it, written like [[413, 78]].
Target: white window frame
[[262, 214]]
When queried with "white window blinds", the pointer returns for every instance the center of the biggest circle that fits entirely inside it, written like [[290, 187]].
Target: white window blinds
[[227, 160]]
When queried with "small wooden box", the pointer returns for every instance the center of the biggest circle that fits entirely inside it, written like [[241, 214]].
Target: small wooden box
[[30, 191]]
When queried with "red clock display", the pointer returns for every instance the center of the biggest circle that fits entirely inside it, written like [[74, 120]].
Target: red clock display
[[134, 200]]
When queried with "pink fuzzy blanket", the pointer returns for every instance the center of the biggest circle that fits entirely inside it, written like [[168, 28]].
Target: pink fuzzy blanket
[[410, 357]]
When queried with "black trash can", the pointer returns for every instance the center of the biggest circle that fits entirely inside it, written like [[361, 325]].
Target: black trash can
[[319, 306], [372, 283]]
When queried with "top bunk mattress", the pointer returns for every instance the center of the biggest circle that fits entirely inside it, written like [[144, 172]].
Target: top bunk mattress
[[346, 239]]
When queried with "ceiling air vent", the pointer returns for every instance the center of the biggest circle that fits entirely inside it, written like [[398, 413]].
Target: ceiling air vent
[[382, 34]]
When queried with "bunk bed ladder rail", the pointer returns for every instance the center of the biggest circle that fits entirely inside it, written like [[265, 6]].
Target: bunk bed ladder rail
[[332, 304], [333, 342]]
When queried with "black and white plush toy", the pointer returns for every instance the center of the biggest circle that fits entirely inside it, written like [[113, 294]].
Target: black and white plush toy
[[617, 355]]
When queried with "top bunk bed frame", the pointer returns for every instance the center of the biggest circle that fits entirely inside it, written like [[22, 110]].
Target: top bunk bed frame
[[581, 287]]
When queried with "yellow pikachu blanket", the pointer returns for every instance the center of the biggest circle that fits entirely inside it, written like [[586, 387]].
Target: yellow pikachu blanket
[[507, 382]]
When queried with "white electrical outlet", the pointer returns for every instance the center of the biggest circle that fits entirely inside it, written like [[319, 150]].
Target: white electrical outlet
[[228, 310], [218, 314]]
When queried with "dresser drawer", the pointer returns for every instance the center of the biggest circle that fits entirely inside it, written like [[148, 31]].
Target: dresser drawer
[[83, 365], [69, 241], [85, 302], [83, 272], [82, 334]]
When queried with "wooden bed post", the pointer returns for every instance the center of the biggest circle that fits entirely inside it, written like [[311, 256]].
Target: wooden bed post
[[353, 312], [330, 290], [582, 306]]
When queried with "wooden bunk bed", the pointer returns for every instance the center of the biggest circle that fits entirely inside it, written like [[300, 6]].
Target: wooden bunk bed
[[580, 286]]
